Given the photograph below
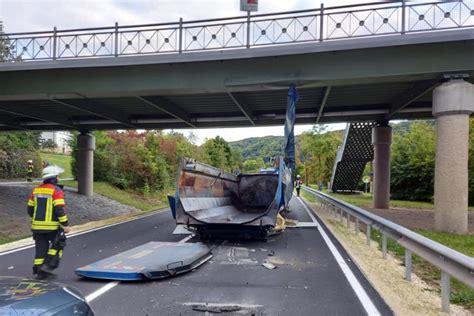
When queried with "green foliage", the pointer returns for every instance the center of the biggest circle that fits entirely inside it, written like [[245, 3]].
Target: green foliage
[[259, 147], [145, 162], [318, 152], [16, 148], [218, 153], [253, 165], [413, 160]]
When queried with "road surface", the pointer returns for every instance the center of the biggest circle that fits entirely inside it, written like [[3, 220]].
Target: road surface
[[314, 275]]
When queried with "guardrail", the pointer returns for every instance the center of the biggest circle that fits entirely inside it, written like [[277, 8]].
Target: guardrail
[[316, 25], [449, 261]]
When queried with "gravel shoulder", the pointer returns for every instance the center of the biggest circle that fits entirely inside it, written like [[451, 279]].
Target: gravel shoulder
[[15, 222]]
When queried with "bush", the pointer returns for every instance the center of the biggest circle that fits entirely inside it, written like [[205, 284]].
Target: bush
[[16, 148]]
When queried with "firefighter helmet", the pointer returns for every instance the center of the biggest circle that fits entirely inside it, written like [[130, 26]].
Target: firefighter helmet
[[52, 172]]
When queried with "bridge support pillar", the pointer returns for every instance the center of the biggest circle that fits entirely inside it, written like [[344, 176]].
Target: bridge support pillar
[[453, 102], [85, 163], [382, 139]]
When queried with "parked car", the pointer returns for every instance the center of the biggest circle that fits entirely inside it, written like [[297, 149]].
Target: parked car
[[22, 296]]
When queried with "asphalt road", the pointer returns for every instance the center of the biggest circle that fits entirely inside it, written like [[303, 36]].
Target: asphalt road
[[307, 281]]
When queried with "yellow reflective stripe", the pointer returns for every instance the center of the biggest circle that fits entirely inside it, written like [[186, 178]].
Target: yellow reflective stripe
[[43, 191], [31, 203], [45, 227], [38, 261], [60, 253], [62, 219], [58, 202], [49, 210], [52, 252]]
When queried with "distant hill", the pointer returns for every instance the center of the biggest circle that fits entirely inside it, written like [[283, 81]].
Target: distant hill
[[254, 147], [267, 146]]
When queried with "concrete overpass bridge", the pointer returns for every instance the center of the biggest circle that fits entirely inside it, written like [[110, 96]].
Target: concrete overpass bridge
[[368, 62]]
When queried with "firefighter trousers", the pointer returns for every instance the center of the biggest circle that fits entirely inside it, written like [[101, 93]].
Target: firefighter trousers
[[43, 242]]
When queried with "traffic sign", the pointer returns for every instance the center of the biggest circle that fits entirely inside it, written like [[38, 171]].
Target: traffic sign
[[248, 5]]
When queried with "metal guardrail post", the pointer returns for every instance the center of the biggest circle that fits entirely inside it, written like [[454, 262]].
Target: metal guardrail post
[[348, 220], [408, 264], [404, 5], [116, 39], [321, 23], [368, 233], [341, 215], [445, 291], [180, 36], [248, 29], [55, 42], [384, 246], [357, 227]]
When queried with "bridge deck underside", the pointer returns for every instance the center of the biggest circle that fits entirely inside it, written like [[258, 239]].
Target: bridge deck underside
[[262, 108]]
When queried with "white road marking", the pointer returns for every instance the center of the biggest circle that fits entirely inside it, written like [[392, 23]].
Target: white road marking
[[355, 284], [111, 285], [80, 233], [102, 290]]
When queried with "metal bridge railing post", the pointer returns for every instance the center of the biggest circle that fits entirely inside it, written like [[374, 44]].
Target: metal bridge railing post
[[180, 38], [55, 43], [368, 233], [116, 40], [445, 291], [248, 29], [384, 246], [404, 5], [408, 257], [321, 23]]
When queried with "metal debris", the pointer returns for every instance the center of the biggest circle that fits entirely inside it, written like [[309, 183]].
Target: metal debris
[[269, 266]]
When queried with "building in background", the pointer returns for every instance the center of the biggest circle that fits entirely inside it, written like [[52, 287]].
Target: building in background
[[56, 141]]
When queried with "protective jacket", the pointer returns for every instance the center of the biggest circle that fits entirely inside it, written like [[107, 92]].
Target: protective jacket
[[29, 168], [46, 208]]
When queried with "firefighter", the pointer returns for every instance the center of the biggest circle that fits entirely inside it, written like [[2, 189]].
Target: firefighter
[[298, 184], [46, 208], [29, 170]]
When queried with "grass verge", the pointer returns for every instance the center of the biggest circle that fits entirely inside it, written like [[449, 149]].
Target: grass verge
[[146, 203], [63, 161]]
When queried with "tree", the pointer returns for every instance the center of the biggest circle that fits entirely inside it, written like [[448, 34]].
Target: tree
[[6, 53], [218, 153], [413, 161], [318, 151]]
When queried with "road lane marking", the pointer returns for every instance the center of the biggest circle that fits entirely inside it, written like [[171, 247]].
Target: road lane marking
[[83, 232], [102, 290], [111, 285], [355, 284]]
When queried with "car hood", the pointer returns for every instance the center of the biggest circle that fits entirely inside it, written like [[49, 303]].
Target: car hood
[[32, 295]]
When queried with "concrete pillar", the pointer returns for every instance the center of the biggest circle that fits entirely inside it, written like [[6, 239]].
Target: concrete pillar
[[453, 102], [381, 139], [85, 163]]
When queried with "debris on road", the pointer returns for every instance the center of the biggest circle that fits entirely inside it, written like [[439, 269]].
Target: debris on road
[[153, 260], [271, 253], [269, 266]]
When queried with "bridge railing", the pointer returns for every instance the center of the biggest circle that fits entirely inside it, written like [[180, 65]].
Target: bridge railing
[[316, 25], [449, 261]]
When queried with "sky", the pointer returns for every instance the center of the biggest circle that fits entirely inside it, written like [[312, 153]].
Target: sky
[[41, 15]]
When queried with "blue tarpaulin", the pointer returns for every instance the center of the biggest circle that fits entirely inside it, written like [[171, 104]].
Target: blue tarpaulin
[[292, 99]]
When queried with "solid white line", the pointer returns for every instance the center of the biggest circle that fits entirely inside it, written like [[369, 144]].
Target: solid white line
[[102, 290], [356, 286], [111, 285], [81, 233]]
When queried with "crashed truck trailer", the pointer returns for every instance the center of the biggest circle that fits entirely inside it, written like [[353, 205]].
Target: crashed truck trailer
[[215, 203]]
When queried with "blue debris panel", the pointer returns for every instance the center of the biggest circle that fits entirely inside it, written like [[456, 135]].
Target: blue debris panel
[[153, 260]]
